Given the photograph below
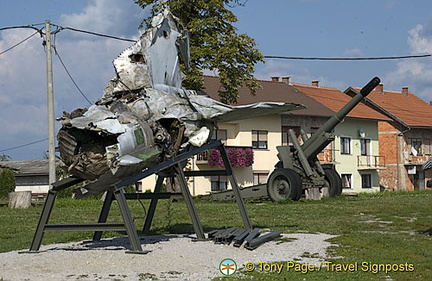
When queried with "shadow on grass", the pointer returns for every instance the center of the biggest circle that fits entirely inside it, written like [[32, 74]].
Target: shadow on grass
[[428, 231]]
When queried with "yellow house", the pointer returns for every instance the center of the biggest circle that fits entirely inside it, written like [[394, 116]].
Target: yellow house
[[359, 133], [356, 155]]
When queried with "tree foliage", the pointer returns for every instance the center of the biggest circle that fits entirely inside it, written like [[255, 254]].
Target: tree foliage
[[215, 44], [7, 182], [4, 157]]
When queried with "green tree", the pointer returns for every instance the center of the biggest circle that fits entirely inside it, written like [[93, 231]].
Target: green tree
[[215, 44], [7, 182], [4, 157]]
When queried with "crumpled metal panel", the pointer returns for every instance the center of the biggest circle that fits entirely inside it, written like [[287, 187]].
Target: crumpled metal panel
[[144, 117]]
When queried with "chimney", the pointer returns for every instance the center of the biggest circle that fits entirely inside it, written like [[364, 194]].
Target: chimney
[[286, 79], [405, 91], [275, 79], [380, 88], [315, 83]]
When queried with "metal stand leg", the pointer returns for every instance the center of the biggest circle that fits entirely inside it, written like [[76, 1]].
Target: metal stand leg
[[242, 208], [189, 203], [43, 221], [152, 207], [128, 221], [104, 213]]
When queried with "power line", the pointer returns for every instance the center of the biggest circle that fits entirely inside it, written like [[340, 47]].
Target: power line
[[19, 43], [23, 145], [349, 58], [32, 26], [70, 76], [60, 28], [93, 33]]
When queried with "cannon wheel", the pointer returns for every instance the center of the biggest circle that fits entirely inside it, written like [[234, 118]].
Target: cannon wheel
[[284, 184], [335, 182]]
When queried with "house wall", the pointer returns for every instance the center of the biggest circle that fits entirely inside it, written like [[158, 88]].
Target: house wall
[[348, 163], [267, 158], [307, 124], [240, 134], [403, 169], [390, 145], [413, 159], [37, 184]]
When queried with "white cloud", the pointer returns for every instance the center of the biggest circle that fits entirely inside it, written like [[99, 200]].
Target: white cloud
[[106, 16], [22, 67], [418, 41], [353, 52], [88, 59], [414, 73]]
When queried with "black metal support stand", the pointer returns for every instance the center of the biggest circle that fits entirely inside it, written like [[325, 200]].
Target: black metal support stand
[[127, 225], [119, 195], [193, 214], [152, 207]]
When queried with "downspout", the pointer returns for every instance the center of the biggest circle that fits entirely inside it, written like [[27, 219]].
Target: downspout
[[399, 149], [398, 161]]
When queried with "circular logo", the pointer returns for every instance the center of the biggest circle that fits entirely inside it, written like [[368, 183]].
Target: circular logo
[[228, 267]]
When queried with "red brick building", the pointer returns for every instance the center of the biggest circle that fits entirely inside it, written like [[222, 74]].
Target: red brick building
[[406, 140]]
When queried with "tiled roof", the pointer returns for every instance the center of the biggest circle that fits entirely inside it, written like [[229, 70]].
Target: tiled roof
[[408, 108], [271, 92], [33, 167], [319, 101], [335, 100]]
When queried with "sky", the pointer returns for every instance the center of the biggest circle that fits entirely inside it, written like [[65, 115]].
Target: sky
[[299, 28]]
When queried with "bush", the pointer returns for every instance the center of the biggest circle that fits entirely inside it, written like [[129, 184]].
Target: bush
[[239, 157], [7, 182]]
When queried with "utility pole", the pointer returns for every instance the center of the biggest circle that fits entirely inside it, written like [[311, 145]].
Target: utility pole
[[50, 94]]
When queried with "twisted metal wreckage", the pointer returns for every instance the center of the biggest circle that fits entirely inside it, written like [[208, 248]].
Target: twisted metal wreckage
[[144, 116], [146, 124]]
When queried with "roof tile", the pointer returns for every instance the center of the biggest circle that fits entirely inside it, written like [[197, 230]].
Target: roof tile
[[409, 108], [319, 101], [271, 92]]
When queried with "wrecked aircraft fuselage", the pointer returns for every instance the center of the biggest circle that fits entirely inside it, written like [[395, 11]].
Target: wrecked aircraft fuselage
[[144, 117]]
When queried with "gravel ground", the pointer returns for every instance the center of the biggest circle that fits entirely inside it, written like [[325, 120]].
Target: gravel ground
[[172, 257]]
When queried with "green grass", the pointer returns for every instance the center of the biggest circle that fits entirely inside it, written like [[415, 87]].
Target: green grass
[[383, 228]]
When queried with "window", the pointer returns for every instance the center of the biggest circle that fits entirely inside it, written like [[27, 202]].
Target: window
[[285, 136], [138, 186], [345, 145], [346, 180], [260, 178], [218, 183], [220, 135], [313, 130], [259, 139], [416, 147], [365, 147], [366, 180], [427, 147]]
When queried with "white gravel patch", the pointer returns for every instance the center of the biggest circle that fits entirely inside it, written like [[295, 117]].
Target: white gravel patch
[[172, 257]]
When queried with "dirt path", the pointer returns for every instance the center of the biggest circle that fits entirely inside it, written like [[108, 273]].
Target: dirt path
[[172, 257]]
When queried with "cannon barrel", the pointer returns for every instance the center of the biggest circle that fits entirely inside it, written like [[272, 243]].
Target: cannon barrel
[[321, 138]]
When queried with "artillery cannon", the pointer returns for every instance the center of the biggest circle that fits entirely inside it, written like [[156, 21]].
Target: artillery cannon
[[299, 168]]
